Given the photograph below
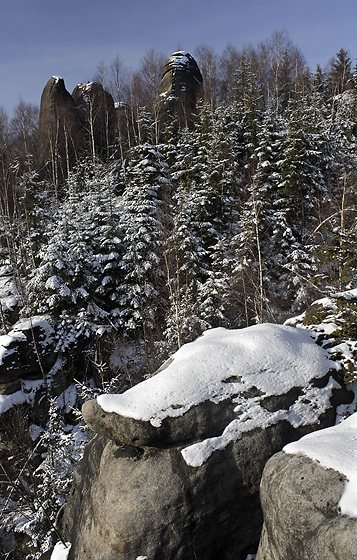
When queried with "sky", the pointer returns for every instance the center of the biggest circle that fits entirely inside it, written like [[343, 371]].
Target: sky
[[70, 38]]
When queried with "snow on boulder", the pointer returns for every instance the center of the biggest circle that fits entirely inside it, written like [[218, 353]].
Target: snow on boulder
[[335, 448], [309, 497], [224, 384], [179, 475]]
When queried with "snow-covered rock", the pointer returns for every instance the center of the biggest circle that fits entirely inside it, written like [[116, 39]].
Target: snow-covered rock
[[332, 321], [180, 87], [25, 353], [224, 384], [179, 477], [309, 497]]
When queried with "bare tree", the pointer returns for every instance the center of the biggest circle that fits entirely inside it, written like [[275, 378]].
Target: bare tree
[[101, 75], [6, 171], [207, 62], [150, 71], [24, 131], [287, 66], [229, 63], [118, 76]]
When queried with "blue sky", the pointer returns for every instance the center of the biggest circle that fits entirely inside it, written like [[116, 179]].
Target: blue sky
[[41, 38]]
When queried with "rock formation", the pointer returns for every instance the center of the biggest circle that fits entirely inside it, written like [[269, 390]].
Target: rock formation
[[98, 115], [70, 125], [61, 134], [179, 89], [175, 471], [301, 501], [9, 296]]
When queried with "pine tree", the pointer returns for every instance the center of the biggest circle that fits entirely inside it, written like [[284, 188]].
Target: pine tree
[[341, 76], [144, 222], [74, 274]]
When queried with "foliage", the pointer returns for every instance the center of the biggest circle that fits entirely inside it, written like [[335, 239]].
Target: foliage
[[243, 218], [333, 321]]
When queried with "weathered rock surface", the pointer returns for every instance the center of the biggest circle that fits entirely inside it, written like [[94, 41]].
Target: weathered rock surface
[[61, 134], [191, 491], [199, 422], [70, 125], [300, 501], [180, 88], [25, 352], [98, 115]]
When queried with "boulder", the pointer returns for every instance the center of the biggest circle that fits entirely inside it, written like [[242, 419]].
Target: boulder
[[175, 471], [180, 88], [302, 501]]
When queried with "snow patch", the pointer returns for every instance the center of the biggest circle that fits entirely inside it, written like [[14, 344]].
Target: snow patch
[[25, 395], [61, 551], [306, 410], [334, 448], [349, 294]]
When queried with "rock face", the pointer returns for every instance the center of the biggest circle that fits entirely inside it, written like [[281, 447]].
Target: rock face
[[98, 116], [71, 125], [61, 132], [175, 472], [180, 88], [300, 501]]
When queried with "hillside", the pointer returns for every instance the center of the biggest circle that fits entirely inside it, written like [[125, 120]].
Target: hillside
[[133, 229]]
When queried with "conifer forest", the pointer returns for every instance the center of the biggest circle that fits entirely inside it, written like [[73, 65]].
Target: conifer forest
[[136, 244]]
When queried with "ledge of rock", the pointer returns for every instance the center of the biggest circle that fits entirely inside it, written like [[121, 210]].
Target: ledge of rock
[[225, 382], [179, 476], [310, 509]]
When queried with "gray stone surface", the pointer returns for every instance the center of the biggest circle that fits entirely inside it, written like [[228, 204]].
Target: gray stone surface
[[180, 88], [301, 520], [67, 121], [61, 134], [129, 501], [95, 104], [202, 421]]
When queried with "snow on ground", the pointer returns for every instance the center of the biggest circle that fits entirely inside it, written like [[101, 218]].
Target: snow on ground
[[330, 321], [334, 448], [8, 292], [222, 363], [61, 551]]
